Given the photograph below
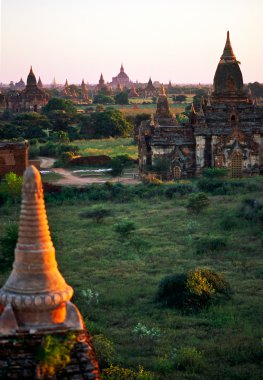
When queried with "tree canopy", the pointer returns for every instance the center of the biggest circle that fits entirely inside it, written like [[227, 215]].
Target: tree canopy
[[109, 123], [59, 104]]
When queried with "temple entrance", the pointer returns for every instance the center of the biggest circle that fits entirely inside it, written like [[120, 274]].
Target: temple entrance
[[35, 108], [177, 172], [236, 165]]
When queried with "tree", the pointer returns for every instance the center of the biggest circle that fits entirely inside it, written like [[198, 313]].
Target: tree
[[179, 98], [121, 98], [110, 123], [32, 124], [103, 99], [59, 104]]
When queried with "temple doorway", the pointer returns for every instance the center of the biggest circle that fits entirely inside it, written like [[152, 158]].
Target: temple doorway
[[177, 172], [236, 165]]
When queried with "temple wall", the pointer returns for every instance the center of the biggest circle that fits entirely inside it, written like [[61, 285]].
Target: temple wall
[[13, 158], [200, 152]]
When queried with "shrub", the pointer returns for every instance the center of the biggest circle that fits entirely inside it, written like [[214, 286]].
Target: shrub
[[104, 349], [193, 290], [7, 245], [197, 202], [188, 359], [215, 172], [11, 187], [211, 185], [172, 290], [119, 373], [124, 228], [54, 353], [143, 332], [33, 151], [251, 209], [97, 214], [210, 243]]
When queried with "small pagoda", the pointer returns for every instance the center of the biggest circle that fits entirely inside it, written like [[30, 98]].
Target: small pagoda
[[35, 304]]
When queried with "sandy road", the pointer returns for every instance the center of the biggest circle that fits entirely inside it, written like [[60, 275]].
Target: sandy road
[[70, 179]]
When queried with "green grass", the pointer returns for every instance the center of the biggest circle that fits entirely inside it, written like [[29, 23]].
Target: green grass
[[51, 177], [110, 147], [93, 256]]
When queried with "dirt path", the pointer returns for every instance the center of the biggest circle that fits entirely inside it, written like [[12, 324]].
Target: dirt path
[[70, 179]]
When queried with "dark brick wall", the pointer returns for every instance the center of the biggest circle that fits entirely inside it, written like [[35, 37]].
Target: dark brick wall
[[13, 158], [19, 358]]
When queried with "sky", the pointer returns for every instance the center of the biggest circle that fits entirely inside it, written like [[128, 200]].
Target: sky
[[175, 40]]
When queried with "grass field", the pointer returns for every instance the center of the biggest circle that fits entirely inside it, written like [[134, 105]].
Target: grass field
[[124, 275], [111, 147]]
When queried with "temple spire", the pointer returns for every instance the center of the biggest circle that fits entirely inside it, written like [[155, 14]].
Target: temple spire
[[101, 81], [228, 54], [163, 90], [36, 296]]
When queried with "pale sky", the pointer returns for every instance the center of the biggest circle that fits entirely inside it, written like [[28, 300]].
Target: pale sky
[[177, 40]]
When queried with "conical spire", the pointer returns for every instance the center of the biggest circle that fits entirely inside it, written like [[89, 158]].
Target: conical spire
[[163, 90], [192, 108], [101, 81], [66, 84], [35, 290], [39, 83], [31, 79], [228, 54], [122, 69], [152, 120], [201, 111]]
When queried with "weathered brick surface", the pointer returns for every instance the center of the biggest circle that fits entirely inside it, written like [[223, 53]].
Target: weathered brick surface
[[18, 358], [13, 157]]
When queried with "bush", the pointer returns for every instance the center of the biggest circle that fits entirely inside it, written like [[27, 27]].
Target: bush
[[104, 349], [124, 228], [215, 172], [193, 290], [211, 185], [33, 151], [97, 214], [197, 202], [119, 373], [210, 243], [251, 209], [54, 353], [7, 246], [11, 186], [188, 359]]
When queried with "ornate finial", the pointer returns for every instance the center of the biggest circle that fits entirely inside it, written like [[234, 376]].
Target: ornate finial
[[163, 90], [101, 81], [192, 108], [228, 54], [201, 111], [35, 291], [152, 120]]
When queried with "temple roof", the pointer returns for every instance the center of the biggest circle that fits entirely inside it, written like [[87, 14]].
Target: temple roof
[[101, 80], [228, 78], [228, 54], [31, 79]]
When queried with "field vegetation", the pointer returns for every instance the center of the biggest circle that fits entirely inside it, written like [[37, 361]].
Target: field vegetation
[[117, 263]]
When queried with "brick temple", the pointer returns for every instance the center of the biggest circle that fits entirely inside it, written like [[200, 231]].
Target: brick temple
[[13, 157], [227, 132]]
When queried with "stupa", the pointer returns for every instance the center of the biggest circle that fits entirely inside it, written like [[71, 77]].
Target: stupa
[[35, 300]]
